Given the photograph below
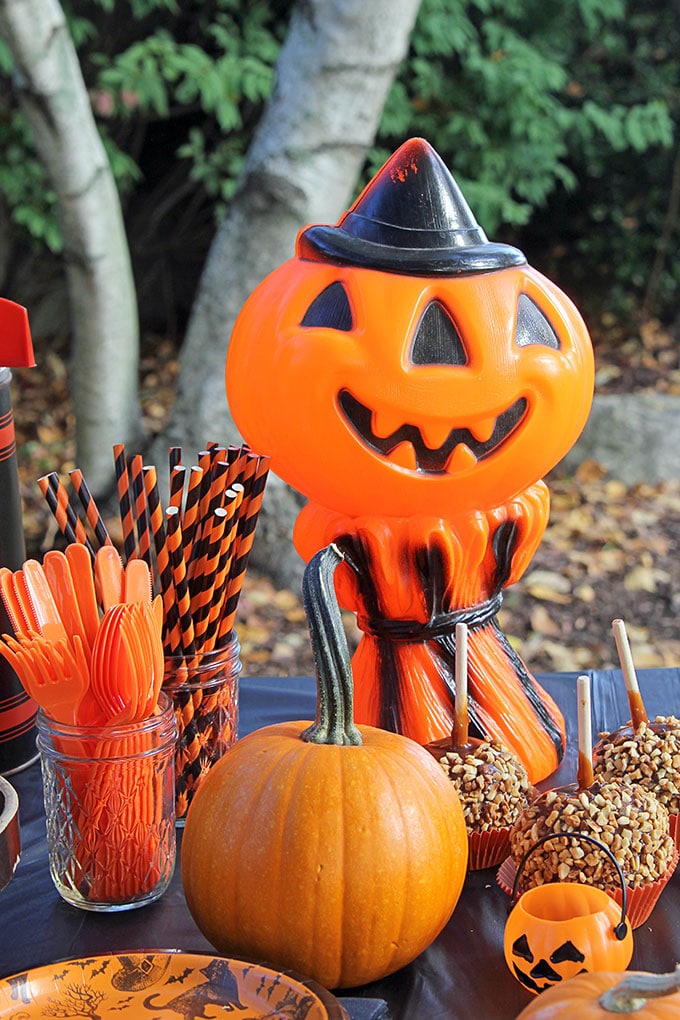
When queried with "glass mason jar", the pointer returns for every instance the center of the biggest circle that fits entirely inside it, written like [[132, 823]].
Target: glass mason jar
[[110, 809], [204, 690]]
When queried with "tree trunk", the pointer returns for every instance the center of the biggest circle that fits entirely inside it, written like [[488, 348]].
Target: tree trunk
[[105, 349], [333, 75]]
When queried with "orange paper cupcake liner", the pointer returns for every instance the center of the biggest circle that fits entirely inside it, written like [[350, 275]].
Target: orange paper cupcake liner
[[487, 849], [640, 900], [675, 828]]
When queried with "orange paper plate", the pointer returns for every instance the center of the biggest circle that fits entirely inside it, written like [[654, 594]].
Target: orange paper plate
[[164, 984]]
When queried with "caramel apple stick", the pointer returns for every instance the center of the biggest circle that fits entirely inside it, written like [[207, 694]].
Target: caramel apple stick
[[460, 709], [638, 714], [584, 774]]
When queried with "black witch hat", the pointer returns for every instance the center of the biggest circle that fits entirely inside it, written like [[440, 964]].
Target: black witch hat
[[410, 218]]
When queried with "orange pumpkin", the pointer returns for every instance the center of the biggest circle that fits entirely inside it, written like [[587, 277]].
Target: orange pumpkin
[[336, 851], [415, 381], [604, 994]]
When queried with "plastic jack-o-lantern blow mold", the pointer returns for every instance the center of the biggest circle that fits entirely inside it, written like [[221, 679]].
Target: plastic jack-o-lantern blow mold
[[415, 382]]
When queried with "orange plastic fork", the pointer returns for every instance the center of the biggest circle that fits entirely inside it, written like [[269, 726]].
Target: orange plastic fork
[[50, 674], [108, 683]]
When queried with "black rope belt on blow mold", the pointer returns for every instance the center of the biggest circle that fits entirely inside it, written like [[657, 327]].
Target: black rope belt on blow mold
[[438, 626]]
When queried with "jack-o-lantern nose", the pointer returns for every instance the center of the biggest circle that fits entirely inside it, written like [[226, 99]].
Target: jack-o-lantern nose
[[436, 340]]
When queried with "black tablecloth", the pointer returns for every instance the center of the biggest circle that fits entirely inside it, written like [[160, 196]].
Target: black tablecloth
[[462, 974]]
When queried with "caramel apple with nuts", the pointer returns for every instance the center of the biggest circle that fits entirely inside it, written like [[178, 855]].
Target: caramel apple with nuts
[[492, 784], [627, 818], [642, 751]]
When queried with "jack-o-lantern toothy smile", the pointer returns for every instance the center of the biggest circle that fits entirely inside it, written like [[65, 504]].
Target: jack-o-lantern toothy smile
[[433, 461]]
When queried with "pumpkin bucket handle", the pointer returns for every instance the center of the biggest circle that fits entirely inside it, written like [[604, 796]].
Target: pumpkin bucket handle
[[622, 927]]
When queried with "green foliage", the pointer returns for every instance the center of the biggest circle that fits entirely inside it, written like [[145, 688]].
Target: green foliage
[[205, 69], [559, 121]]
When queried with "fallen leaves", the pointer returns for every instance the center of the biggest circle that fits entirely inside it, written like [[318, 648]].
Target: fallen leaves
[[610, 550]]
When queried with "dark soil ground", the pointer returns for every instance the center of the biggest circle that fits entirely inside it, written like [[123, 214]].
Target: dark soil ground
[[610, 550]]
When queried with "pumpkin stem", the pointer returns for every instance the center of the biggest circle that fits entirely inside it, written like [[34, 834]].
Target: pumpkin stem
[[335, 692], [632, 993]]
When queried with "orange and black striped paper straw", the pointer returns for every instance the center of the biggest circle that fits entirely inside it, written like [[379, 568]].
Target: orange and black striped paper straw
[[172, 641], [218, 485], [202, 598], [250, 465], [214, 499], [174, 457], [90, 507], [177, 477], [236, 456], [174, 538], [244, 542], [205, 464], [232, 504], [124, 501], [191, 506], [139, 508], [67, 519]]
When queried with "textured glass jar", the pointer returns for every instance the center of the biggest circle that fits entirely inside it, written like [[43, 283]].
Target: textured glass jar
[[204, 689], [110, 809]]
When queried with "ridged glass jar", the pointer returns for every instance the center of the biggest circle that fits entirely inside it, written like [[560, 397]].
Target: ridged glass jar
[[205, 693], [110, 809]]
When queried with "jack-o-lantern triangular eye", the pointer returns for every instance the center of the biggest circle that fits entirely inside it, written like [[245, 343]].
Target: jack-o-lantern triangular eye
[[437, 341], [330, 309], [533, 327]]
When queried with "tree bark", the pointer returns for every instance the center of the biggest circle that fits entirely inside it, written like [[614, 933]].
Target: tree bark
[[333, 75], [105, 346]]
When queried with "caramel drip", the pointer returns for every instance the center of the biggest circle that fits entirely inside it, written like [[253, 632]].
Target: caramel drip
[[638, 714], [584, 774]]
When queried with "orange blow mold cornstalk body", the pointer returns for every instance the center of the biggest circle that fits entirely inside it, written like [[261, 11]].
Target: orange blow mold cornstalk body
[[415, 382]]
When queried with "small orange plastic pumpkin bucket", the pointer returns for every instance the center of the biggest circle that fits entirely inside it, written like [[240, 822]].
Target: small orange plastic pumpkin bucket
[[560, 929]]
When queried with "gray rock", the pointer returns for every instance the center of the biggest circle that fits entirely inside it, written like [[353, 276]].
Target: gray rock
[[635, 436]]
